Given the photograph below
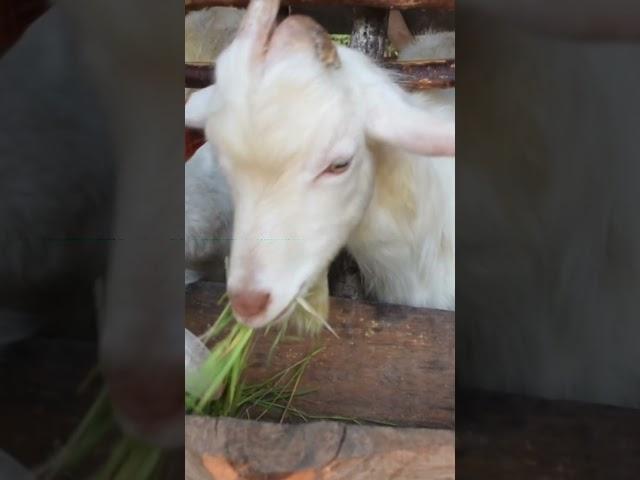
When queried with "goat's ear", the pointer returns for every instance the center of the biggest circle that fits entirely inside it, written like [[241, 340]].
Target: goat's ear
[[398, 32], [393, 119], [198, 106]]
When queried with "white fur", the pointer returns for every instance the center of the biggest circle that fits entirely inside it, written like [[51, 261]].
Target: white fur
[[430, 46], [277, 127], [208, 213], [415, 264]]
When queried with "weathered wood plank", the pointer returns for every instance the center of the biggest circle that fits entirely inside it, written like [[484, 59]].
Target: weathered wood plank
[[391, 363], [416, 75], [220, 448], [399, 4], [429, 75]]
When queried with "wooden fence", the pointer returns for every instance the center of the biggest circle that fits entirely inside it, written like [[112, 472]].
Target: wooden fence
[[368, 34]]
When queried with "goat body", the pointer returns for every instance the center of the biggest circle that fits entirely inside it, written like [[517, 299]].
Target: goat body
[[405, 244]]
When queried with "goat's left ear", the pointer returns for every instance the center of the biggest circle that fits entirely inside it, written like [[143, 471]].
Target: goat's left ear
[[392, 118], [197, 108]]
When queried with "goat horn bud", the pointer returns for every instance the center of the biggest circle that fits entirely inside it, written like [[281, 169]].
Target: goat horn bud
[[299, 31]]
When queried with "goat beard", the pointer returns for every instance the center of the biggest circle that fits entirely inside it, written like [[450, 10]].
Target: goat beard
[[317, 297]]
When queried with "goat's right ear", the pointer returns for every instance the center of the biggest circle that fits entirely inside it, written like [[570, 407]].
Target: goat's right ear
[[393, 119], [198, 107]]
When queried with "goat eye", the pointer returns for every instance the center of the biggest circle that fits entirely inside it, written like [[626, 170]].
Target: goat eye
[[338, 167]]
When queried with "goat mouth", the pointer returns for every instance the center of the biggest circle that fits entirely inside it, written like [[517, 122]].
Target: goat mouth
[[290, 307], [285, 312]]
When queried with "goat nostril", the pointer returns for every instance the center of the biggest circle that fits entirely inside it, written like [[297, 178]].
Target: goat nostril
[[249, 303]]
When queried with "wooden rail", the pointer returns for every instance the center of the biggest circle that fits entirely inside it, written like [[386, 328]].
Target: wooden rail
[[220, 448], [399, 4], [497, 435], [391, 363], [423, 75]]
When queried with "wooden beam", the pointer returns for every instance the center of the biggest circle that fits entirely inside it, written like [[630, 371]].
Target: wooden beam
[[417, 75], [427, 75], [220, 448], [391, 363], [399, 4]]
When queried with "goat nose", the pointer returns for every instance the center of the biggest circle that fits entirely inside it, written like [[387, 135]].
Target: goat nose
[[249, 303]]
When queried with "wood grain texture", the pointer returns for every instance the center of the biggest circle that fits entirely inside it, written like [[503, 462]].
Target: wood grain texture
[[391, 363], [220, 448], [400, 4], [338, 18], [422, 75]]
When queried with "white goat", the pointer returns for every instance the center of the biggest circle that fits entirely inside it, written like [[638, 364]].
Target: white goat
[[321, 149]]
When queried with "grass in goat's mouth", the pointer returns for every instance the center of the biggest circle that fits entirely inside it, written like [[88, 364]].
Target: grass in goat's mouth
[[216, 389]]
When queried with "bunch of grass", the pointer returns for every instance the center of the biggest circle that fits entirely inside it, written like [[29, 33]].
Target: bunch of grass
[[218, 381]]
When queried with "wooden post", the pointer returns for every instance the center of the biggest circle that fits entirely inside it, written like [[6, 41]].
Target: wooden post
[[369, 34], [230, 448]]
